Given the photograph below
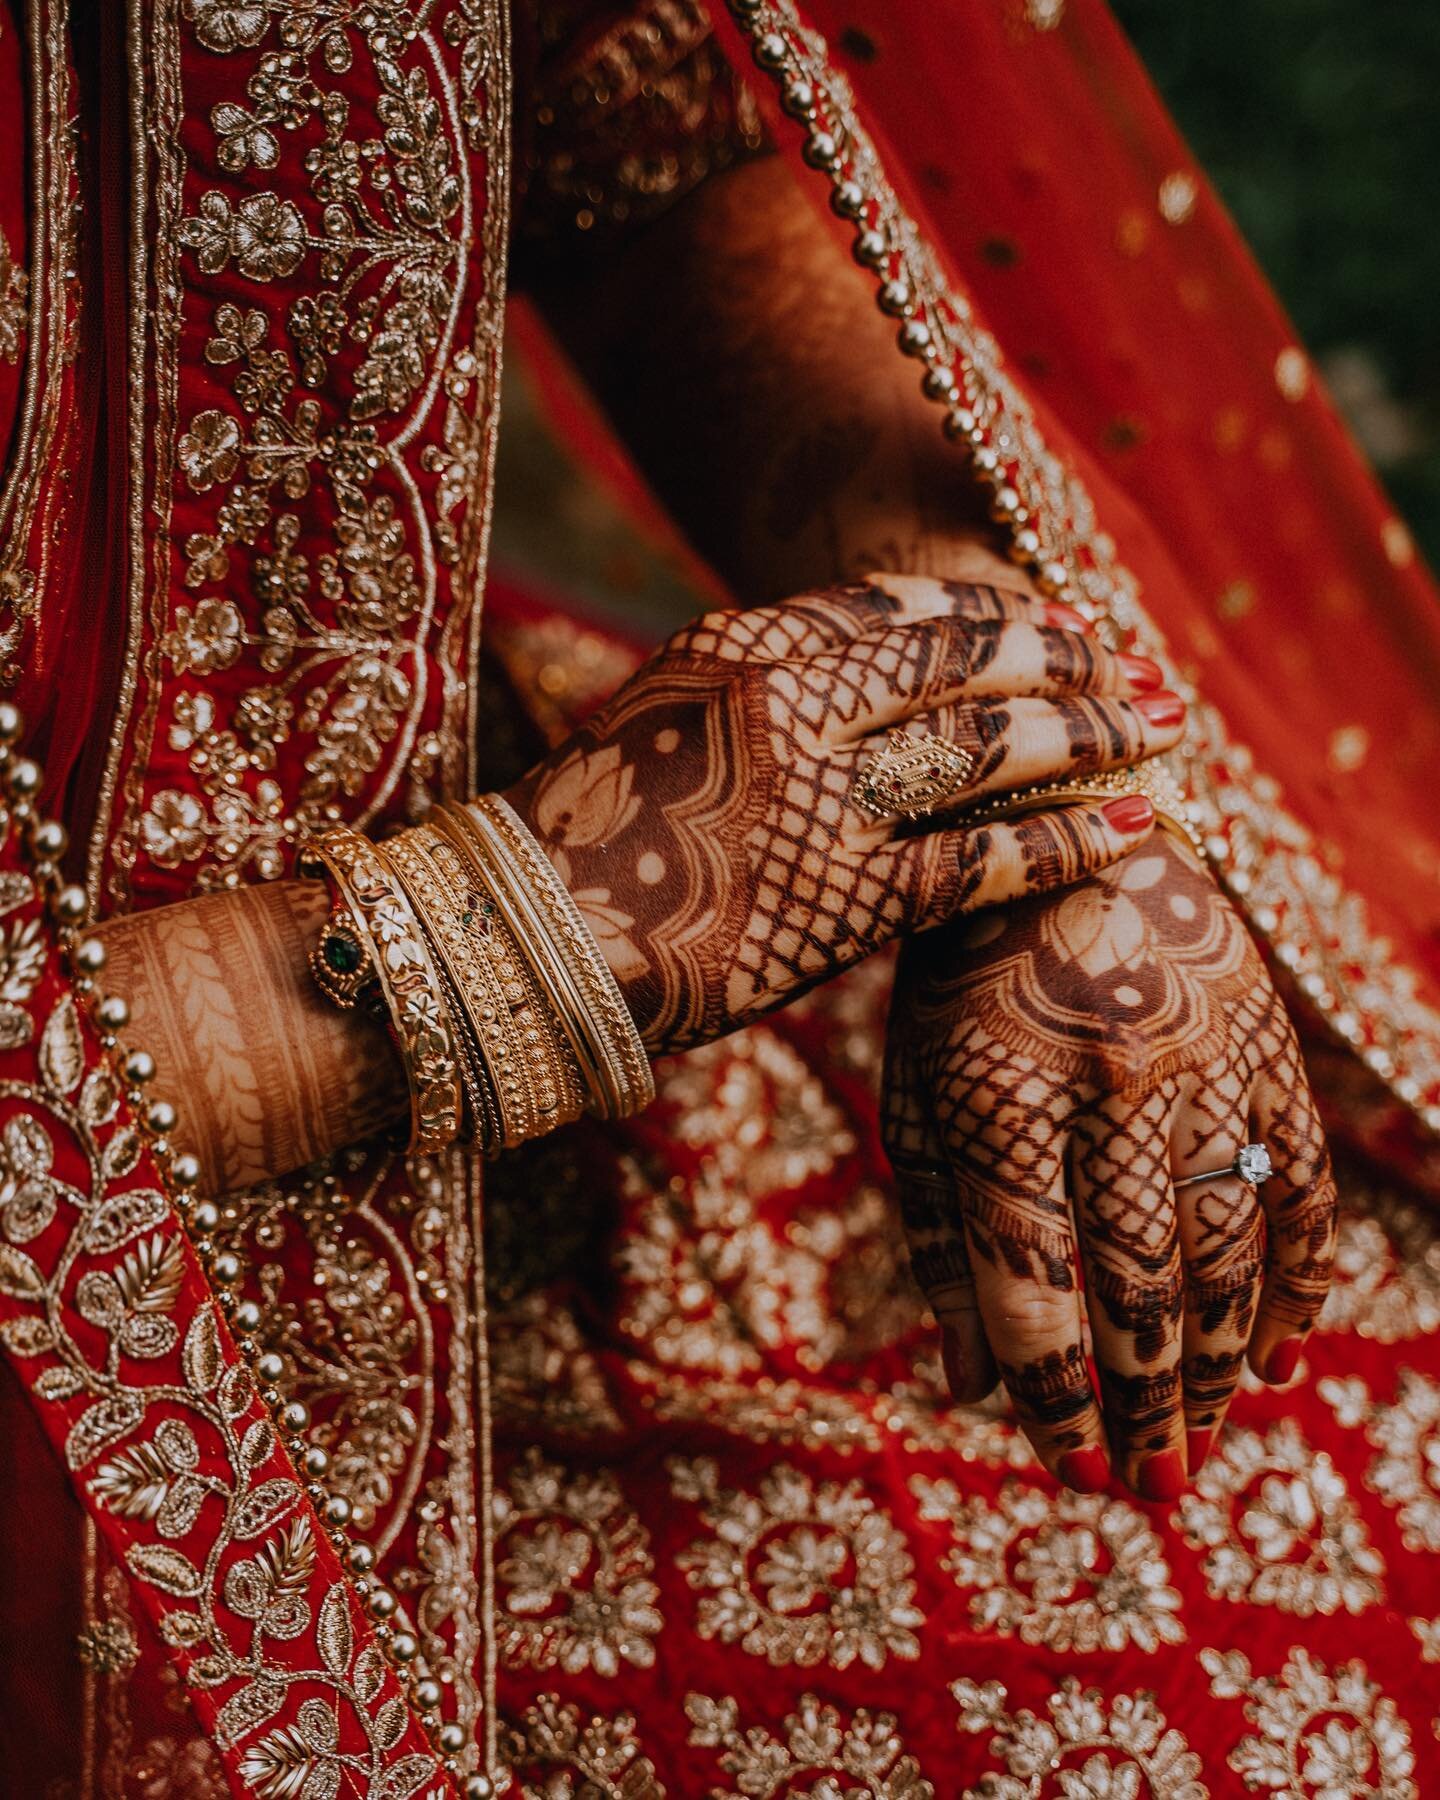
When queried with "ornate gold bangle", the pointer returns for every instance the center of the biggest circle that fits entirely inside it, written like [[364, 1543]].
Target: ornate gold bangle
[[382, 915], [566, 959], [1152, 779], [519, 1046]]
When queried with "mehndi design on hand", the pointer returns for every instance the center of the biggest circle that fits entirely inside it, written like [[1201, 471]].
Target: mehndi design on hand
[[704, 818], [1051, 1069]]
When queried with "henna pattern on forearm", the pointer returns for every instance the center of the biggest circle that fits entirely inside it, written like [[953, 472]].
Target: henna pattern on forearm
[[266, 1074]]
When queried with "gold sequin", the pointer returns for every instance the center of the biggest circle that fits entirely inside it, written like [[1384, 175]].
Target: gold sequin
[[1178, 194], [1292, 373], [1347, 748]]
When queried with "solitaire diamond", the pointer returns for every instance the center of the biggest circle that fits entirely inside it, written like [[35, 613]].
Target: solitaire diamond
[[1252, 1164]]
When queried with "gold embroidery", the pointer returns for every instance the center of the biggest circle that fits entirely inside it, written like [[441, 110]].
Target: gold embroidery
[[865, 1752], [575, 1574], [1387, 1266], [602, 1753], [1406, 1433], [1126, 1738], [799, 1572], [1074, 1572], [1328, 1732], [14, 303], [545, 1376], [41, 299], [1279, 1528], [342, 583]]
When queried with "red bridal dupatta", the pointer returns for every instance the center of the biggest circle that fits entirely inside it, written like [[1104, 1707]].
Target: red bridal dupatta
[[1227, 513], [733, 1540]]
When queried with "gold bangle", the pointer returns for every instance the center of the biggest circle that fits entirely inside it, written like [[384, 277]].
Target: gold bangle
[[515, 1041], [566, 958], [384, 917], [1152, 779]]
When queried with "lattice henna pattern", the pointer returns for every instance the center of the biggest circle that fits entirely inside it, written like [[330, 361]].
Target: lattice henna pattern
[[1079, 1052]]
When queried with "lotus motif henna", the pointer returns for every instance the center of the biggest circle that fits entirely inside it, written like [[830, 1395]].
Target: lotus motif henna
[[1051, 1072], [707, 818]]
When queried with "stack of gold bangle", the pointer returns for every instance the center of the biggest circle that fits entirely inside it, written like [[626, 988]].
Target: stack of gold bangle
[[507, 1017]]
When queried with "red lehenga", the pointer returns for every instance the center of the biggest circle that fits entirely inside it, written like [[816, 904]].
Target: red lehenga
[[727, 1537]]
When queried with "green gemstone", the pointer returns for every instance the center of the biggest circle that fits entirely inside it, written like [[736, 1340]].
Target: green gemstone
[[342, 955], [467, 917]]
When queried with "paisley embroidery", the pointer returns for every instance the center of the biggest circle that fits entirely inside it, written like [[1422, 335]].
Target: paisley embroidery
[[1279, 1528], [819, 1751], [799, 1572], [1319, 1732], [1123, 1742], [574, 1572], [1074, 1572]]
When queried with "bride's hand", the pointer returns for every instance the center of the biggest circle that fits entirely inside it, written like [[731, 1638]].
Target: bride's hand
[[703, 818], [1052, 1070]]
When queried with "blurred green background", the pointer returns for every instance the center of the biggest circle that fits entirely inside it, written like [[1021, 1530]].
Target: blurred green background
[[1319, 122]]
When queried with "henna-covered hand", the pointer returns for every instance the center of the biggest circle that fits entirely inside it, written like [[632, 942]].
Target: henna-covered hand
[[703, 819], [1052, 1069]]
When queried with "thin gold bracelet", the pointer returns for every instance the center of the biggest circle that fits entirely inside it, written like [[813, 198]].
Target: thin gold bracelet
[[568, 961]]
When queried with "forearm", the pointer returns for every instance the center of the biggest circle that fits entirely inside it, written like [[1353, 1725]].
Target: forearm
[[739, 351], [266, 1076]]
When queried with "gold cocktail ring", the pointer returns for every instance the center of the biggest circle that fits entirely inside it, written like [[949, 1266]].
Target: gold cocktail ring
[[912, 776]]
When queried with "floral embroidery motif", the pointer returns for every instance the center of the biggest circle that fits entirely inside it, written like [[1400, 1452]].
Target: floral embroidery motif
[[1126, 1738], [1387, 1268], [1279, 1527], [1320, 1734], [107, 1317], [1074, 1572], [340, 470], [820, 1750], [1406, 1472], [577, 1759], [574, 1572], [799, 1572]]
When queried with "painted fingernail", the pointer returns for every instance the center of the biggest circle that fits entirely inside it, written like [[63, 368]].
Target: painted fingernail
[[1087, 1470], [1164, 710], [1161, 1477], [1132, 812], [1197, 1448], [1283, 1361], [1066, 617], [952, 1361], [1143, 675]]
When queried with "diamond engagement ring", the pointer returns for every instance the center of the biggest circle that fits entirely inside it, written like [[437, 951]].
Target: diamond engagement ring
[[1252, 1164], [912, 776]]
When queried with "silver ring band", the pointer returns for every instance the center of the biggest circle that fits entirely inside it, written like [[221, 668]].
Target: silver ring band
[[1251, 1164]]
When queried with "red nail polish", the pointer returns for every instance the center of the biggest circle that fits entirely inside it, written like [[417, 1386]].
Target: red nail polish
[[1197, 1448], [1143, 675], [1132, 812], [1163, 710], [1284, 1360], [1065, 617], [952, 1361], [1087, 1470], [1161, 1477]]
